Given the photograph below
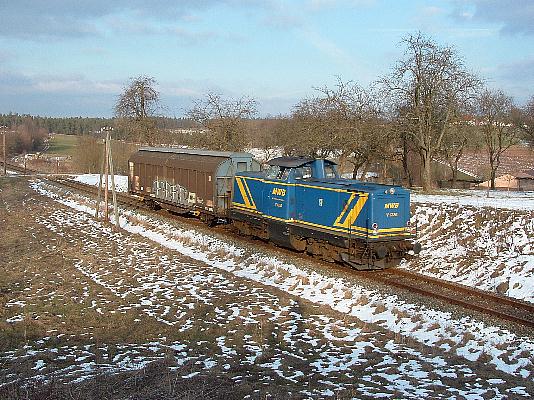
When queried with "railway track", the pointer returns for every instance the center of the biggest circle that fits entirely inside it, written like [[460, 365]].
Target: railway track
[[499, 306], [495, 305], [18, 169]]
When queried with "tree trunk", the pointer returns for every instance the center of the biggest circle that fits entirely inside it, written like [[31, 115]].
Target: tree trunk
[[426, 171], [454, 177], [493, 175], [493, 170], [365, 170], [405, 165], [355, 171]]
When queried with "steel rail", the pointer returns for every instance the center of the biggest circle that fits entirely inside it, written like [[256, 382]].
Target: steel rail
[[502, 307]]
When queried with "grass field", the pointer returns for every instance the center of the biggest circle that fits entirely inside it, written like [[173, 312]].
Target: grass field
[[62, 145]]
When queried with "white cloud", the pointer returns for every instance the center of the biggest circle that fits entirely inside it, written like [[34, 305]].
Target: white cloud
[[59, 19], [513, 16]]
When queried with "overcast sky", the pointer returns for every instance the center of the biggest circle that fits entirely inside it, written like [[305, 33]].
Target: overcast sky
[[70, 58]]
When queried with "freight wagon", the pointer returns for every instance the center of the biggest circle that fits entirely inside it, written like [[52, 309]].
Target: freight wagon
[[185, 180]]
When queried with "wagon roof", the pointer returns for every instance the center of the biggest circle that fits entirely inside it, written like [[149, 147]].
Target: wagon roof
[[293, 162], [187, 159], [196, 152]]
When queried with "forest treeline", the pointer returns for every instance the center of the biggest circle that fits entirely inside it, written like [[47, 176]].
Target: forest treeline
[[82, 125]]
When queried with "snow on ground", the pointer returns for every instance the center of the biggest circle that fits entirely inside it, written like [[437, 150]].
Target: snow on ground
[[479, 198], [121, 181], [481, 242], [454, 336]]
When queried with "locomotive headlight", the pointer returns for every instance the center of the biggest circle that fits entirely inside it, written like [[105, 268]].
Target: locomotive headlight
[[375, 228], [392, 191]]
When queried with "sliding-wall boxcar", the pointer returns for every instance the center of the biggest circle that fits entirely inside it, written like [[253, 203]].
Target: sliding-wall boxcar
[[187, 180]]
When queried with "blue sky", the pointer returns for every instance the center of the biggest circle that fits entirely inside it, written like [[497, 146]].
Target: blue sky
[[70, 58]]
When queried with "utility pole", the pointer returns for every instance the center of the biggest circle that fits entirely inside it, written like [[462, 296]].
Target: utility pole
[[99, 198], [106, 174], [3, 128], [105, 169]]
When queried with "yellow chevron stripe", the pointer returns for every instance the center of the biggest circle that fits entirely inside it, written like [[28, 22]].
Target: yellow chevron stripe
[[340, 217], [351, 216], [244, 194], [249, 193]]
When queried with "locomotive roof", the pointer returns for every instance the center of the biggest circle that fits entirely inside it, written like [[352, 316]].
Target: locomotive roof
[[293, 162], [196, 152]]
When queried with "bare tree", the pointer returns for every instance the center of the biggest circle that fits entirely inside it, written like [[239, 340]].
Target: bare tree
[[428, 84], [361, 136], [524, 120], [223, 121], [495, 113], [308, 131], [342, 121], [262, 136], [28, 136], [455, 141], [402, 131], [136, 109]]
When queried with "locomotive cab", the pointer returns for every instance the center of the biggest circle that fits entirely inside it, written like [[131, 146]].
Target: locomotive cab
[[311, 168]]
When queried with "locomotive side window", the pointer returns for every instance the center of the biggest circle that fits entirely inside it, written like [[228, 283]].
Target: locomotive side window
[[241, 166], [283, 174], [303, 172], [277, 172]]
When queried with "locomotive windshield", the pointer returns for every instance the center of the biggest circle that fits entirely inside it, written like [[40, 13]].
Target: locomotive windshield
[[304, 172], [330, 171]]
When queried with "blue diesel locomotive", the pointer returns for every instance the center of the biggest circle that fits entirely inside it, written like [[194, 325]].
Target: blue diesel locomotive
[[302, 204], [299, 203]]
